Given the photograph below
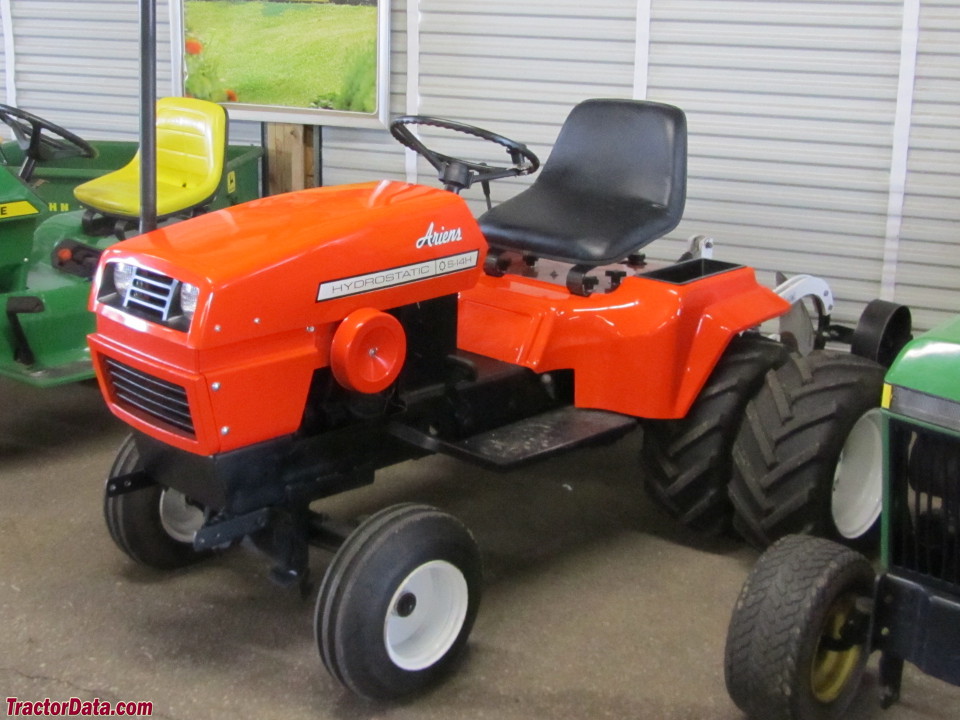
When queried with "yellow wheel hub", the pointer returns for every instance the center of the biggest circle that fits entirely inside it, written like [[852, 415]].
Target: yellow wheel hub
[[831, 670]]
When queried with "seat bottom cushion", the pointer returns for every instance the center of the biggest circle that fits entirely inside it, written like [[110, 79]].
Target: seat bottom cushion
[[549, 222]]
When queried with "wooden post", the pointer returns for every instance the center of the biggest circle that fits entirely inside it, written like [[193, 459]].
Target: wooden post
[[289, 157]]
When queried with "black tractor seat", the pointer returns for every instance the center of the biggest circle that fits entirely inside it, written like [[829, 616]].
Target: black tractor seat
[[615, 181]]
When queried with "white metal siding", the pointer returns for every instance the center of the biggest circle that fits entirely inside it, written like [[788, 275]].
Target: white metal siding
[[78, 63], [523, 65], [928, 269], [515, 68], [790, 108], [4, 49]]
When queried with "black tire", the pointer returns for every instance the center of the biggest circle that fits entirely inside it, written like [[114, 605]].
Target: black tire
[[801, 591], [368, 595], [136, 522], [687, 463], [788, 448]]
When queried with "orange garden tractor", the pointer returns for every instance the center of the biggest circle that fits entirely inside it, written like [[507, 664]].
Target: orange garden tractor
[[283, 350]]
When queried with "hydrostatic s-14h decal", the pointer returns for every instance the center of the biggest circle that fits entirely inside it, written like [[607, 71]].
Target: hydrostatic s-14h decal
[[392, 277]]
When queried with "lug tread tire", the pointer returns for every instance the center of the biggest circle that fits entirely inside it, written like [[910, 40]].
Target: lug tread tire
[[687, 462], [776, 626], [363, 571], [133, 520], [787, 448]]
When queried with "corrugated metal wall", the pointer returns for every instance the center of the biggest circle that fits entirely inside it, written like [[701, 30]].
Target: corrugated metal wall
[[5, 48], [928, 266], [77, 63], [513, 68], [791, 108], [808, 153]]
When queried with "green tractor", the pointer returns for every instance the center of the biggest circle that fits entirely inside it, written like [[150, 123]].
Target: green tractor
[[811, 611], [63, 200]]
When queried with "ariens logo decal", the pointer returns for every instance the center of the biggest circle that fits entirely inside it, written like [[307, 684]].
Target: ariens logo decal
[[382, 279], [432, 237]]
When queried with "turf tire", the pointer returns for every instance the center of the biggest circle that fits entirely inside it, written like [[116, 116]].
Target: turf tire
[[775, 665]]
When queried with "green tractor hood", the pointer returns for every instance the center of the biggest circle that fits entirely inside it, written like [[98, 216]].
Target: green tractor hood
[[931, 363]]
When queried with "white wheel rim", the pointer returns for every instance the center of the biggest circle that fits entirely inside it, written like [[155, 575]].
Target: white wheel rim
[[857, 496], [179, 518], [425, 615]]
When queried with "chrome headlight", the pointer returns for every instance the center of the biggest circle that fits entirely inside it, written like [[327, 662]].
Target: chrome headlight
[[123, 274], [189, 294]]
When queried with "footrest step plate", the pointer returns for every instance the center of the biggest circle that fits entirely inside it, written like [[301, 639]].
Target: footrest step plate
[[525, 441]]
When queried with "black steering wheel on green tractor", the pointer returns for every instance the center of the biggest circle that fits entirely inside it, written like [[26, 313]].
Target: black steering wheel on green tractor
[[37, 147], [457, 174]]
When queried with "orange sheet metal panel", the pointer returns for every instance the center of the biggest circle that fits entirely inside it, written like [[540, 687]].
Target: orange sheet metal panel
[[276, 276], [313, 256], [645, 349], [260, 395]]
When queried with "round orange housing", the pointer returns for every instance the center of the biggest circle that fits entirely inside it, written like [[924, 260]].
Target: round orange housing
[[368, 350]]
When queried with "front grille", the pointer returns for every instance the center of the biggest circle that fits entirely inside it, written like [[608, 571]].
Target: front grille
[[925, 503], [152, 294], [161, 400]]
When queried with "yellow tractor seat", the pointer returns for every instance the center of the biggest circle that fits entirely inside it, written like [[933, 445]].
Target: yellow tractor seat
[[191, 143]]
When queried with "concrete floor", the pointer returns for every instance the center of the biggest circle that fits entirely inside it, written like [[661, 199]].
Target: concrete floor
[[596, 605]]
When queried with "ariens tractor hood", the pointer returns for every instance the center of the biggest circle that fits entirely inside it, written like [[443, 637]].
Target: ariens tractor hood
[[377, 245]]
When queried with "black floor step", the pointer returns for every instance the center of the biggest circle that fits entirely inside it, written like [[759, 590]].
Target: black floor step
[[522, 442]]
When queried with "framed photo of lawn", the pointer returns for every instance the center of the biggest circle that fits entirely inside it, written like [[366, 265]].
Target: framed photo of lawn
[[313, 62]]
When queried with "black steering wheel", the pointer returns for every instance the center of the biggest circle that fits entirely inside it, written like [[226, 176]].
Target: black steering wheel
[[28, 129], [455, 173]]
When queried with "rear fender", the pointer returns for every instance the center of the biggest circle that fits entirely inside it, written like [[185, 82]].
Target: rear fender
[[721, 321], [645, 349]]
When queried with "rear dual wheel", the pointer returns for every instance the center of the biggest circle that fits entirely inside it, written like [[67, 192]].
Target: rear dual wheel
[[398, 601], [808, 457]]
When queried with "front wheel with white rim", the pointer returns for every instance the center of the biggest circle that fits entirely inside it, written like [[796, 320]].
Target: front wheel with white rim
[[154, 525], [398, 601]]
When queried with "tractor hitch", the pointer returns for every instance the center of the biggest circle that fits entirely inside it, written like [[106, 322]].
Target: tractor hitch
[[131, 482]]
